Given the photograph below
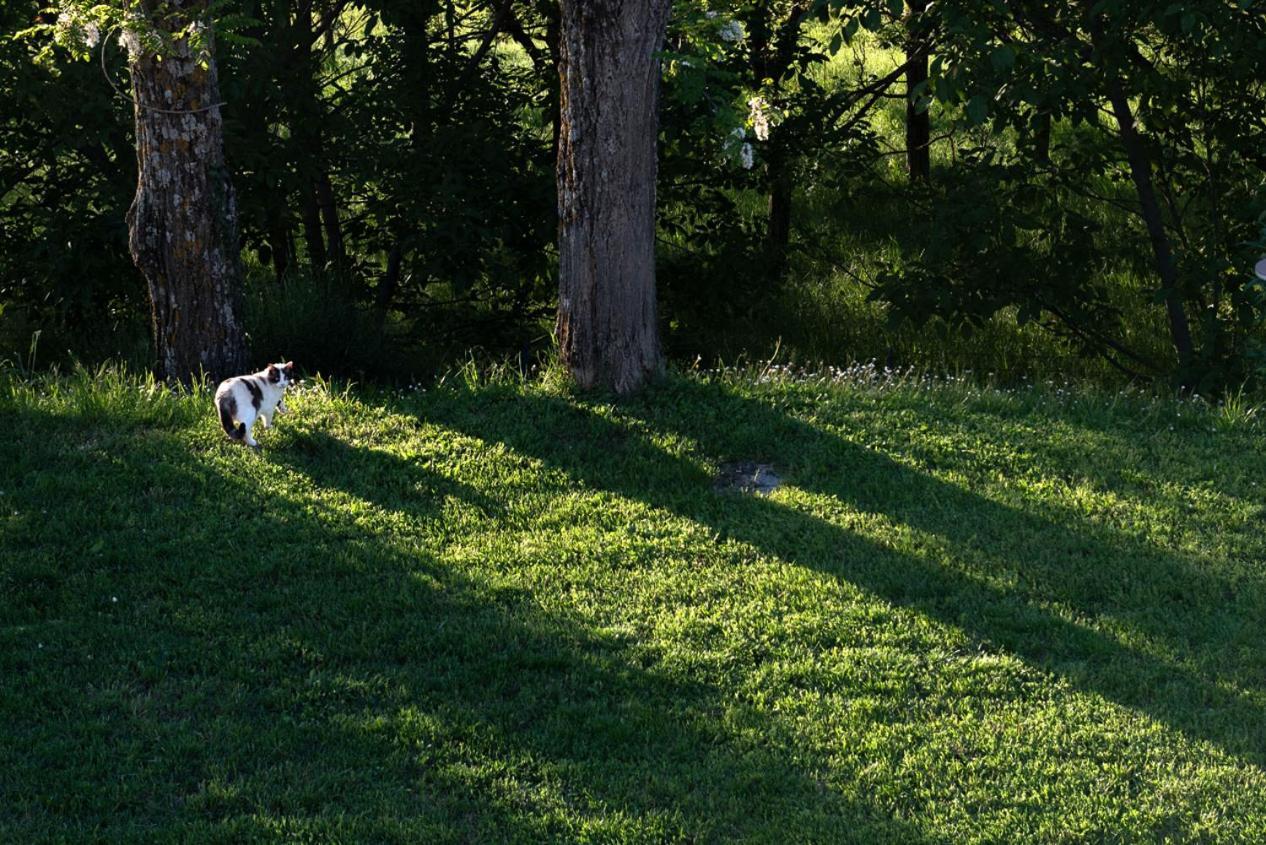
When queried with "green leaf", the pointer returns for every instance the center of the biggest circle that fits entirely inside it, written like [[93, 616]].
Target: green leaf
[[977, 110], [1003, 58]]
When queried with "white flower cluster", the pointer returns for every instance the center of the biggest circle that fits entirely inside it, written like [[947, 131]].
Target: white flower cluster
[[731, 31], [758, 116], [71, 29], [129, 41], [737, 141]]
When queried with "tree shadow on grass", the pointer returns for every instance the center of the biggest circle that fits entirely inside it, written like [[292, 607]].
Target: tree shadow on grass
[[286, 673], [1055, 572], [390, 481]]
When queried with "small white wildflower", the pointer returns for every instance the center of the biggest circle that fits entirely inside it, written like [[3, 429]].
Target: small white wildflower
[[92, 35], [114, 599], [711, 14], [747, 157]]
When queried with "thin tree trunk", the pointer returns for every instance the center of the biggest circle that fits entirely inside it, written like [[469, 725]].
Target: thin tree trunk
[[390, 281], [308, 147], [329, 217], [918, 121], [1042, 137], [607, 323], [1141, 174], [312, 228], [279, 246], [182, 226], [778, 223]]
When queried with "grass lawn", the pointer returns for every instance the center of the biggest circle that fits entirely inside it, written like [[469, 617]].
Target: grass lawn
[[500, 612]]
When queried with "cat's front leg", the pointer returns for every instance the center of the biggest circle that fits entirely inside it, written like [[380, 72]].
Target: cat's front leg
[[267, 420], [281, 407]]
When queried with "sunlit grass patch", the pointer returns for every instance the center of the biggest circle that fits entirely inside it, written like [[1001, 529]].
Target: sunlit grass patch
[[496, 610]]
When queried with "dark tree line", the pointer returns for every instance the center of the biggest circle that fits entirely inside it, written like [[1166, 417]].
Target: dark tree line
[[477, 172]]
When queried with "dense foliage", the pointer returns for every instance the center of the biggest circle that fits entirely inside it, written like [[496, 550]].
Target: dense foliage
[[1096, 179]]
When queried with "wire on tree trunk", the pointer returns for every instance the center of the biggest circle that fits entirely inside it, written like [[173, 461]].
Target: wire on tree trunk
[[104, 72]]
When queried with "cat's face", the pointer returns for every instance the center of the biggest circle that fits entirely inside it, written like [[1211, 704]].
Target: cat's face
[[281, 374]]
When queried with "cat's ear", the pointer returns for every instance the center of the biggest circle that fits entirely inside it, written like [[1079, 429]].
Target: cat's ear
[[289, 366]]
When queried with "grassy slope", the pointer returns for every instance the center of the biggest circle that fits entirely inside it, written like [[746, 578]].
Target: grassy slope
[[501, 612]]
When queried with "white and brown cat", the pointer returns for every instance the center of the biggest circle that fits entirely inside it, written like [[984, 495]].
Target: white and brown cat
[[244, 399]]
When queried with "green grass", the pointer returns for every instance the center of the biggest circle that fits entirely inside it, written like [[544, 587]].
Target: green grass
[[500, 612]]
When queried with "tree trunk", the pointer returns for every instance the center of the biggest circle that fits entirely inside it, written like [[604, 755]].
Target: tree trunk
[[307, 146], [312, 228], [778, 223], [918, 122], [329, 217], [390, 281], [279, 246], [1141, 174], [182, 226], [1042, 137], [607, 324]]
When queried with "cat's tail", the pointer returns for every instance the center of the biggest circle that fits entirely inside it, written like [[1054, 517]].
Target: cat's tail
[[228, 408]]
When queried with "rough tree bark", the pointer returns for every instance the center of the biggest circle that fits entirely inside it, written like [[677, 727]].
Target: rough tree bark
[[607, 326], [182, 225]]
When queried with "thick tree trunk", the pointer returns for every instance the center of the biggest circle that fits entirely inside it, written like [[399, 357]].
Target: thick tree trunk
[[607, 324], [918, 122], [182, 225]]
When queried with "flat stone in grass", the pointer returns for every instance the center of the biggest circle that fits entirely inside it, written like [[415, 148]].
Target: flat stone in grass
[[746, 477]]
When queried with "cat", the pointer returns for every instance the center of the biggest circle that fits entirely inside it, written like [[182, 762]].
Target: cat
[[257, 396]]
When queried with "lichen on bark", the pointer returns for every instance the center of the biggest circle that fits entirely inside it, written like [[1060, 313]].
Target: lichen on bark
[[183, 221]]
